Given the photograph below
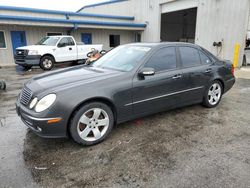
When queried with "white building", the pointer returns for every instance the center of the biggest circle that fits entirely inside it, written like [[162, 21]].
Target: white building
[[123, 21]]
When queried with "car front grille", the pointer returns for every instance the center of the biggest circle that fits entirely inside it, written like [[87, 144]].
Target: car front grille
[[21, 53], [25, 96]]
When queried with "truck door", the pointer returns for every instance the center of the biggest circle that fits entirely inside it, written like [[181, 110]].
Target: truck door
[[66, 50]]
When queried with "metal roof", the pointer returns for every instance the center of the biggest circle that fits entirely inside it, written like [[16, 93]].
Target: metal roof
[[67, 13], [102, 3]]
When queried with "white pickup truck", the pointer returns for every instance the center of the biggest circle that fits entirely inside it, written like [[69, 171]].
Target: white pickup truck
[[53, 49]]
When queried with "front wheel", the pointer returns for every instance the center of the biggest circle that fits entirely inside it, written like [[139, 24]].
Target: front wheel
[[47, 63], [213, 95], [92, 123]]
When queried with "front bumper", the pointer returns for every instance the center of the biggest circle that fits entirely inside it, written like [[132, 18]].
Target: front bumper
[[40, 125], [27, 60]]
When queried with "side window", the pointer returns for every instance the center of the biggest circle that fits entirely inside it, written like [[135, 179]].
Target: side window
[[189, 56], [204, 58], [63, 42], [70, 41], [163, 59]]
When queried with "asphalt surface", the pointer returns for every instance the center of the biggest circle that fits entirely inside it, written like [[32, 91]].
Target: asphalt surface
[[188, 147]]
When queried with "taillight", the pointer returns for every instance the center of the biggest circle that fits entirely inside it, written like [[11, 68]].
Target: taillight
[[232, 69]]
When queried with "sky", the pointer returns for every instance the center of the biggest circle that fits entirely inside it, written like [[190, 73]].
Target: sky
[[64, 5]]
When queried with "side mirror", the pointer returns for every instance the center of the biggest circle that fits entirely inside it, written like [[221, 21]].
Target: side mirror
[[103, 52], [60, 45], [146, 72]]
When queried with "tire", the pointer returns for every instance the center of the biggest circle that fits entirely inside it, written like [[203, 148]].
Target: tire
[[84, 127], [2, 85], [26, 67], [244, 62], [47, 63], [213, 94]]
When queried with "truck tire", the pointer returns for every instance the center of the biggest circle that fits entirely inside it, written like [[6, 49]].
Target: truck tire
[[47, 63]]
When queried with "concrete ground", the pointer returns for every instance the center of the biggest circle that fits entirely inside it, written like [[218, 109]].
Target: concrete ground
[[188, 147]]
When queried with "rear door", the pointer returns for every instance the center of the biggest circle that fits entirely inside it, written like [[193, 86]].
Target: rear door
[[67, 52], [196, 73], [158, 92]]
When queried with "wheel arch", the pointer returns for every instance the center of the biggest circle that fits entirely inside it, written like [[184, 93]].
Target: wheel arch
[[222, 83], [48, 54], [104, 100]]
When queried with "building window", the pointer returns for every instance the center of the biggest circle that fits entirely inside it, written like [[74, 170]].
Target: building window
[[138, 37], [53, 34], [2, 40], [114, 40]]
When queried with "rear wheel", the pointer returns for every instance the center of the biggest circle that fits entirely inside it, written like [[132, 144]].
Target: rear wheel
[[47, 63], [92, 123], [213, 95]]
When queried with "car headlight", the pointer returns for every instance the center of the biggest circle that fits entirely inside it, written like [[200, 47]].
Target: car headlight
[[45, 102], [33, 103], [33, 52]]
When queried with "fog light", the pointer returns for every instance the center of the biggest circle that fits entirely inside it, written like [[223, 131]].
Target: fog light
[[39, 129]]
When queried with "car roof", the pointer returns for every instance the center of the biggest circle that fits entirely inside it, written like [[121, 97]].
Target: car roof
[[160, 44]]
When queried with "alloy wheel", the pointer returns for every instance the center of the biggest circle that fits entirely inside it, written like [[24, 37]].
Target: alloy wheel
[[93, 124], [214, 94]]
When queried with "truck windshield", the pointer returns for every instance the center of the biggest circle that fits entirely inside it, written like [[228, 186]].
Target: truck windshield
[[122, 58], [48, 41]]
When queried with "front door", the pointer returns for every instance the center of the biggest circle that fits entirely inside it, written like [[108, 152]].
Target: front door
[[87, 38], [66, 50], [160, 91], [18, 39]]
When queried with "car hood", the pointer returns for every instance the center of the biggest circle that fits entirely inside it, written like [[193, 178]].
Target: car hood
[[69, 77], [34, 47]]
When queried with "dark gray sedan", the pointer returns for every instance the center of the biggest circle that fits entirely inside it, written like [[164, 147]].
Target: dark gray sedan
[[129, 82]]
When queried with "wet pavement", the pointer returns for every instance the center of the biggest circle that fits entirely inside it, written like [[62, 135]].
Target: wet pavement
[[188, 147]]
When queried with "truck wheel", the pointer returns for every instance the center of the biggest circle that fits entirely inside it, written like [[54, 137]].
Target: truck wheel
[[92, 123], [47, 63]]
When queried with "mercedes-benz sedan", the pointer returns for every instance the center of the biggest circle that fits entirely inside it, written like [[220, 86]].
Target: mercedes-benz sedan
[[129, 82]]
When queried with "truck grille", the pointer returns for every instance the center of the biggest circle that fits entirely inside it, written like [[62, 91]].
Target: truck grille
[[21, 53], [25, 96]]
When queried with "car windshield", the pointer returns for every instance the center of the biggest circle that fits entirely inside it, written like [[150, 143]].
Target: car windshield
[[48, 41], [122, 58]]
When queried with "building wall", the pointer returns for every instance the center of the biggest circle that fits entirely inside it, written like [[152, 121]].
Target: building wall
[[34, 34], [225, 21], [101, 36], [217, 20]]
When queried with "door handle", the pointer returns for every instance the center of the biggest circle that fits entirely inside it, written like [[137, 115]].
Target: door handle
[[177, 76], [208, 70], [70, 48]]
